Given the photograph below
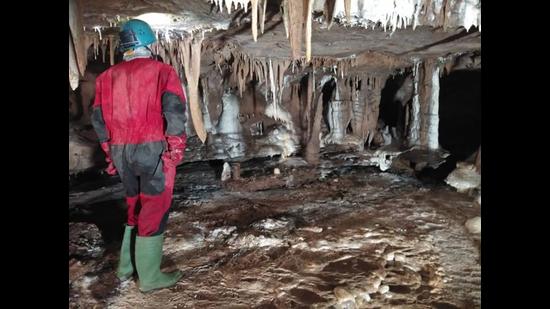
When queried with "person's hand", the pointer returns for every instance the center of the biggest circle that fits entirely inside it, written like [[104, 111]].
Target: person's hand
[[174, 154], [172, 158], [111, 169]]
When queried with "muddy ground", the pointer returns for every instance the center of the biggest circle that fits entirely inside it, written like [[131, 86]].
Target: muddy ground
[[339, 236]]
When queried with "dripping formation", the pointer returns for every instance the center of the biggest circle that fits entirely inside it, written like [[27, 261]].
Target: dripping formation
[[320, 100]]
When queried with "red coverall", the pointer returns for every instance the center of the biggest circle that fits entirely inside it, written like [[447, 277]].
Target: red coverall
[[139, 117]]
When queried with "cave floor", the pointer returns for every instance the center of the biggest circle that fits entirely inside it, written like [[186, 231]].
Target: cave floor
[[341, 236]]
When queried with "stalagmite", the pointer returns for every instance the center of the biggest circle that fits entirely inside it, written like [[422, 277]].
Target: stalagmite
[[339, 112], [191, 52], [228, 122], [226, 172], [313, 145]]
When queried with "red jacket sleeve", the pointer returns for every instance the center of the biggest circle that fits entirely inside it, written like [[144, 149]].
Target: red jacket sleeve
[[173, 109]]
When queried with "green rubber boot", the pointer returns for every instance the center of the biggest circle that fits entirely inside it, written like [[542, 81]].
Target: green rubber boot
[[125, 268], [148, 258]]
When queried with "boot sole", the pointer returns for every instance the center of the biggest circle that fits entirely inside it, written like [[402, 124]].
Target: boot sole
[[124, 278]]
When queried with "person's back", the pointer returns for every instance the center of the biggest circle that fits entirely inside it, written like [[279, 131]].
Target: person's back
[[131, 96], [139, 118]]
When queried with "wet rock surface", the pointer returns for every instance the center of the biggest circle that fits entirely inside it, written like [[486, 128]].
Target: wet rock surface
[[85, 240], [342, 237]]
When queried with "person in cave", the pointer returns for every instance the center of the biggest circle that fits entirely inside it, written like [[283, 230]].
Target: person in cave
[[139, 116]]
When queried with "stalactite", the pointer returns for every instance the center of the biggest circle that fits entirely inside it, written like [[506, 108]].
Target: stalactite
[[307, 103], [254, 19], [424, 93], [96, 47], [258, 7], [347, 6], [262, 16], [448, 66], [295, 105], [308, 29], [296, 20], [328, 12], [407, 113], [112, 49], [191, 58], [478, 160], [205, 102], [282, 66], [433, 111], [266, 73], [358, 108], [286, 21], [73, 66], [364, 101], [402, 13], [373, 96], [274, 109], [77, 35], [424, 120], [228, 3], [414, 119], [88, 42], [271, 71], [103, 51], [155, 47], [427, 97], [272, 81], [171, 53]]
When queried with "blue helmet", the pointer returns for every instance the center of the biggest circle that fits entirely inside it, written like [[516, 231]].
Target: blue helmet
[[136, 33]]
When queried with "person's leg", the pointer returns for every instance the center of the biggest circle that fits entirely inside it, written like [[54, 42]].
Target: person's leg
[[155, 196], [130, 182]]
